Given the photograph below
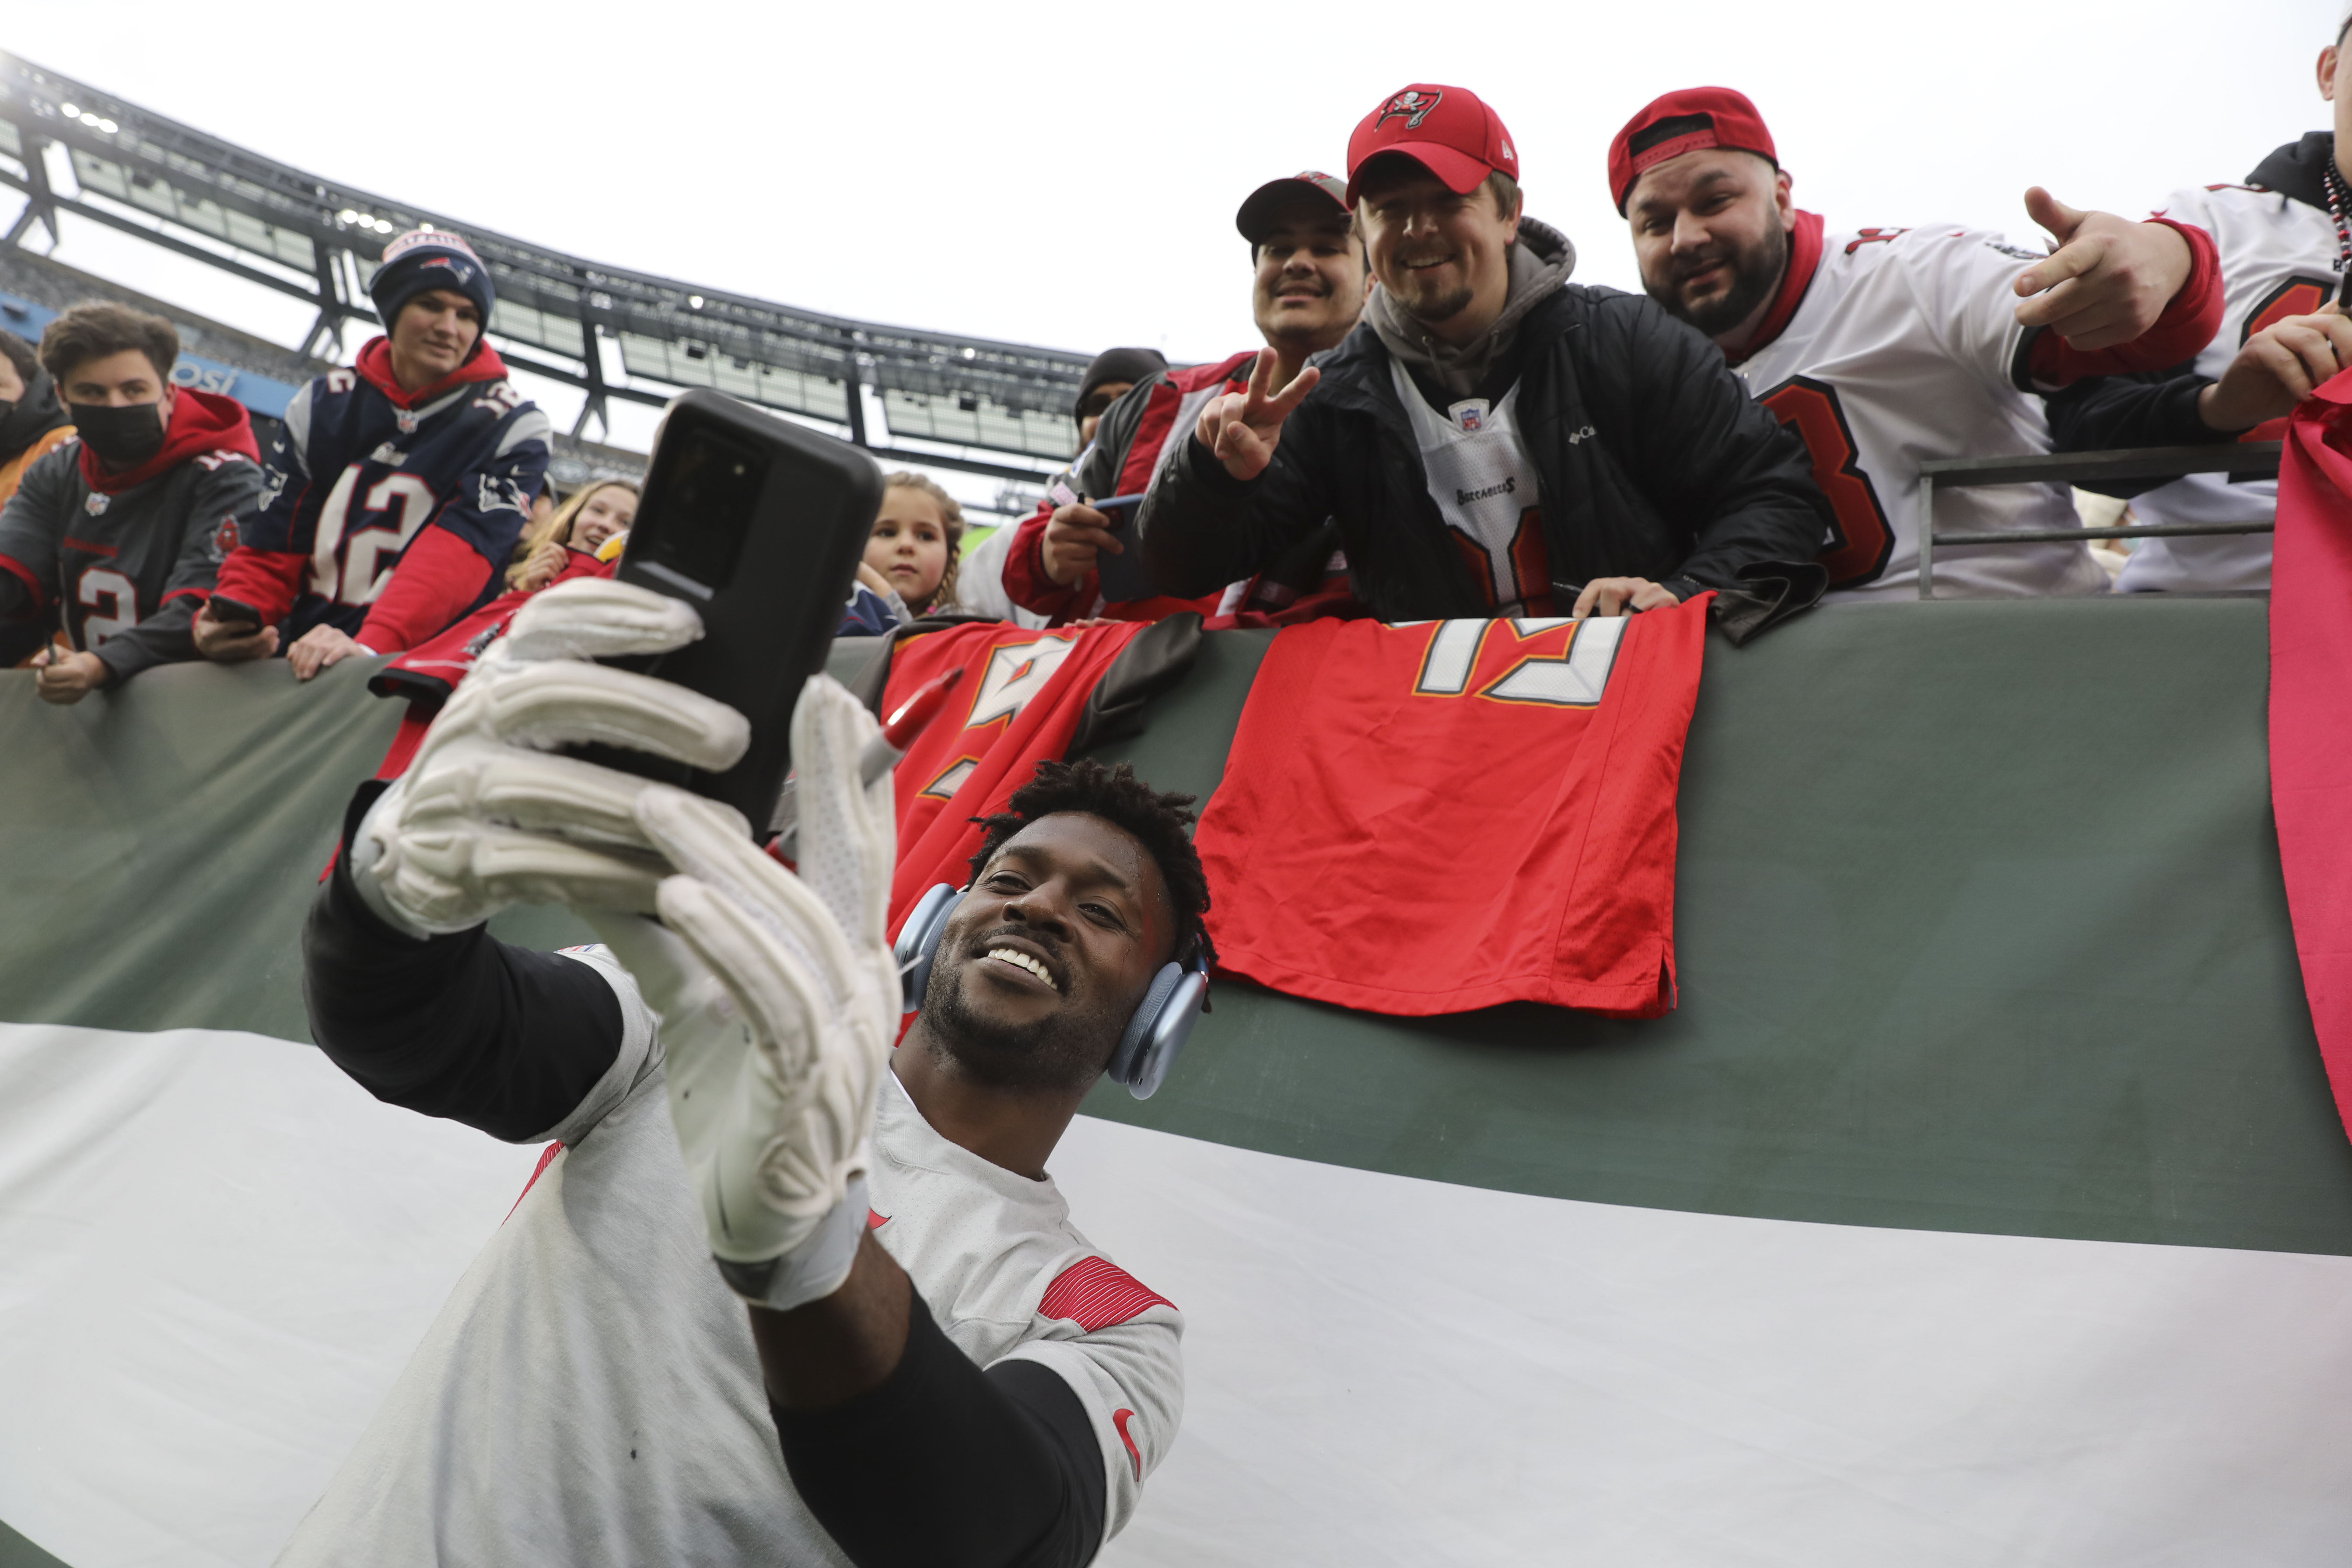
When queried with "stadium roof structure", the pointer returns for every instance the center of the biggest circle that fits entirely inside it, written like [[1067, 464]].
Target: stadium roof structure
[[964, 403]]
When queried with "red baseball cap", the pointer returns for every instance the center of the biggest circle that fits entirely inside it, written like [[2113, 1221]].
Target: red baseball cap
[[1264, 208], [1449, 131], [1683, 123]]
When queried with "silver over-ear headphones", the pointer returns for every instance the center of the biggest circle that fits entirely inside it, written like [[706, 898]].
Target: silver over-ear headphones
[[1163, 1022]]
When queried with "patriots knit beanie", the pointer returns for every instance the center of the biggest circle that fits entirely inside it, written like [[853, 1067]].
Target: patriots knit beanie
[[425, 259]]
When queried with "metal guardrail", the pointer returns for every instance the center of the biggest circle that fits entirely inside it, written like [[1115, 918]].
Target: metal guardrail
[[2252, 460]]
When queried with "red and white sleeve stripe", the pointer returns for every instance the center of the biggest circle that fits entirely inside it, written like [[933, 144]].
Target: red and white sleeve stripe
[[1096, 1293]]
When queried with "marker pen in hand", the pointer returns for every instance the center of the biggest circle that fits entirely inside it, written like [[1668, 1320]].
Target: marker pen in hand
[[883, 752]]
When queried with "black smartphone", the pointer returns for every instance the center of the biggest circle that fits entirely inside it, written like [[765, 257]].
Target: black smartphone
[[230, 613], [1121, 576], [759, 525]]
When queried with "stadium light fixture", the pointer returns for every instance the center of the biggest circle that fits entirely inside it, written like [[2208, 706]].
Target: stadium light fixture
[[694, 301], [69, 110]]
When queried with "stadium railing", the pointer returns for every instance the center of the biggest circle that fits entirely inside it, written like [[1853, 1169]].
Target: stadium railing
[[2252, 460]]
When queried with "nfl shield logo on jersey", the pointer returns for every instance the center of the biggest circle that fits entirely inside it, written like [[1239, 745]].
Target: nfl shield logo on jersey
[[1470, 414], [93, 503], [406, 419]]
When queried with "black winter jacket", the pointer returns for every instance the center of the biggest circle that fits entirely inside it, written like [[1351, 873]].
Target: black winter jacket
[[1653, 463]]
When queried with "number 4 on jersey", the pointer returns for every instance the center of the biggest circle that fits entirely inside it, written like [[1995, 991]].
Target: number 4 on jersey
[[1860, 540]]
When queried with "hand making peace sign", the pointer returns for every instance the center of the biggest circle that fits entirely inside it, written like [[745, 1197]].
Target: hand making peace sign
[[1242, 428]]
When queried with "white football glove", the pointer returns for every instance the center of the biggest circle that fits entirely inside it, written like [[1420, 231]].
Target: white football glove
[[778, 995], [779, 999], [485, 817]]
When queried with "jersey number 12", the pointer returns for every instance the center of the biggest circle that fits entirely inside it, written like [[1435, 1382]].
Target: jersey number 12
[[349, 563]]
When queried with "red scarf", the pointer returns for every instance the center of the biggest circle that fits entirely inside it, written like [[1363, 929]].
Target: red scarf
[[375, 365], [1804, 260], [201, 422]]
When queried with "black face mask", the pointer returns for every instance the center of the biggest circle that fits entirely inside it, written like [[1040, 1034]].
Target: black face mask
[[122, 438]]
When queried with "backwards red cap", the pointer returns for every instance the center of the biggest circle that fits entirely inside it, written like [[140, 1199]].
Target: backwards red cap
[[1683, 123], [1449, 131]]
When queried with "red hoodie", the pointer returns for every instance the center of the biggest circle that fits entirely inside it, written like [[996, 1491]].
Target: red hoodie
[[375, 367], [201, 422]]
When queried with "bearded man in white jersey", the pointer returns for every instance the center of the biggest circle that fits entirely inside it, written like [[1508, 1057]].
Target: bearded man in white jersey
[[906, 1352], [1886, 347], [2284, 255]]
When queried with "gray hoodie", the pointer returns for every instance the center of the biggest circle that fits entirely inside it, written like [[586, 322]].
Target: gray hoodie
[[1540, 262]]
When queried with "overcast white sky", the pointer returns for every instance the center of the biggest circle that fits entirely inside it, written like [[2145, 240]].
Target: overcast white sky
[[1066, 174]]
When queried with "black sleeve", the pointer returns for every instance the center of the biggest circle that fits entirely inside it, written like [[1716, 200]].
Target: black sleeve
[[2113, 413], [1201, 527], [230, 493], [503, 1038], [948, 1467], [1709, 454]]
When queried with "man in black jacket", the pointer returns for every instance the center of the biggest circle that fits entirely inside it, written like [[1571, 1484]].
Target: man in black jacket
[[1491, 440]]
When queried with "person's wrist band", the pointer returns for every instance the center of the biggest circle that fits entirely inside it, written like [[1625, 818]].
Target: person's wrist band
[[811, 1271]]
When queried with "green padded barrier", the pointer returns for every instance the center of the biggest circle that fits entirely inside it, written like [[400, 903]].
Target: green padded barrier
[[1979, 927]]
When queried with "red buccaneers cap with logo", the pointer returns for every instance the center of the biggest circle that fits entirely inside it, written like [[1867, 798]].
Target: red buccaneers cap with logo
[[1682, 122], [1449, 131]]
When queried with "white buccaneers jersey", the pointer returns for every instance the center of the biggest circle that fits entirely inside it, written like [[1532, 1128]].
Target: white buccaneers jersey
[[1485, 486], [590, 1394], [2278, 259], [1905, 348]]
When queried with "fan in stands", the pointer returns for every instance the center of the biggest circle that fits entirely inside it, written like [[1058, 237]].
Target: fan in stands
[[397, 488], [1307, 289]]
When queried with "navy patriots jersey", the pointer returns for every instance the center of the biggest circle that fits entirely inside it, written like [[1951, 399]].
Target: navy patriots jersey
[[387, 515]]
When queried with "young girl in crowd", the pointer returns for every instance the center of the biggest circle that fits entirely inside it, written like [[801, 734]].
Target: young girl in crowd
[[581, 526], [910, 568], [566, 545]]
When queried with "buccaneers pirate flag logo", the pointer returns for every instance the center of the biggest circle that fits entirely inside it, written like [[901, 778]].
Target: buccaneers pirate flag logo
[[1412, 106]]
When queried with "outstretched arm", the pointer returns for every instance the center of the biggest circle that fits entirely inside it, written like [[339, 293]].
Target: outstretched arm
[[2116, 296], [501, 1039]]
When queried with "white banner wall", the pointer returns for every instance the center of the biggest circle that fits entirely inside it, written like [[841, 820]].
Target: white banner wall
[[216, 1252]]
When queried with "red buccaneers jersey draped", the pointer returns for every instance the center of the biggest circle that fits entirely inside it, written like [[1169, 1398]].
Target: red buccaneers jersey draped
[[1428, 818], [1019, 703]]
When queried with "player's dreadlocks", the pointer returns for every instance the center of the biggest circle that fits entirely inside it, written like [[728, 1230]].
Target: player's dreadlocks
[[1158, 821]]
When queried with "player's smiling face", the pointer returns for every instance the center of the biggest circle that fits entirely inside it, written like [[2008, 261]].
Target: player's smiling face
[[1711, 233], [1049, 953]]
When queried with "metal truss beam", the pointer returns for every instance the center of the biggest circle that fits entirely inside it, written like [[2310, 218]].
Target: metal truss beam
[[1014, 392]]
